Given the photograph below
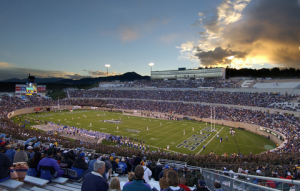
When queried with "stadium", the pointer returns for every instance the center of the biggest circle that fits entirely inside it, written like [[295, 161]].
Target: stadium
[[135, 95], [172, 123]]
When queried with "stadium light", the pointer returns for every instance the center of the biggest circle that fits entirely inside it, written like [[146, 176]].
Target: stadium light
[[107, 66], [151, 64]]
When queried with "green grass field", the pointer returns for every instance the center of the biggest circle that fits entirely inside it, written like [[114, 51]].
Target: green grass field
[[169, 133]]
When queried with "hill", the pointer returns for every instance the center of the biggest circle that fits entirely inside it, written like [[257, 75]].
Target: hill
[[129, 76]]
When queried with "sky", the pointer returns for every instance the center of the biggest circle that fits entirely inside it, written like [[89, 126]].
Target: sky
[[76, 39]]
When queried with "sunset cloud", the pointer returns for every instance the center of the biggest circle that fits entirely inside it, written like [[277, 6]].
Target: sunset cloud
[[268, 32]]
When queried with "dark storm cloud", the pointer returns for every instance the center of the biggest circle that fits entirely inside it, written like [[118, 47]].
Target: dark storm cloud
[[270, 29], [218, 56]]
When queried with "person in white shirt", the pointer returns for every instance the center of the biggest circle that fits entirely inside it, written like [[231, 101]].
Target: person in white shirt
[[147, 174]]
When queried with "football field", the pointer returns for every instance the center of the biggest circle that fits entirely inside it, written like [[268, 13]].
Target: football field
[[159, 136]]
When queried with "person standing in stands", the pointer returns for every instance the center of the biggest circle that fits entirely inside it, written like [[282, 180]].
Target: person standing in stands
[[94, 181], [173, 181], [182, 184], [92, 162], [138, 181], [137, 160], [5, 163], [147, 174], [21, 156]]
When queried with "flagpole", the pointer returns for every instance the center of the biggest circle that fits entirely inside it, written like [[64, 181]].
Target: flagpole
[[211, 119], [214, 118]]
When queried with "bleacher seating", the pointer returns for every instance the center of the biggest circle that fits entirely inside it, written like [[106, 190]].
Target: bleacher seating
[[291, 85], [38, 184]]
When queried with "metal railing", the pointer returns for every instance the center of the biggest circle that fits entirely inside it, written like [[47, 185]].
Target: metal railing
[[238, 182]]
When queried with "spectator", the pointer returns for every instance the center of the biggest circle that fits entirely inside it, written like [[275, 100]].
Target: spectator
[[29, 151], [93, 181], [137, 160], [92, 162], [217, 186], [147, 174], [21, 155], [173, 181], [157, 171], [130, 178], [163, 183], [11, 152], [115, 185], [108, 169], [33, 163], [123, 165], [66, 162], [182, 184], [80, 163], [162, 172], [5, 163], [48, 163], [201, 186], [138, 182]]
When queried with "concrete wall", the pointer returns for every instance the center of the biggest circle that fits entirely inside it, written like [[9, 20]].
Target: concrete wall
[[32, 110], [250, 90]]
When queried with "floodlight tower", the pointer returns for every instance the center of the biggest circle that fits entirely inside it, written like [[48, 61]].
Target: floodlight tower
[[151, 64], [107, 66]]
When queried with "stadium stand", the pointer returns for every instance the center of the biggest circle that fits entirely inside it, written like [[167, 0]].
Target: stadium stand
[[291, 85], [234, 98], [233, 172]]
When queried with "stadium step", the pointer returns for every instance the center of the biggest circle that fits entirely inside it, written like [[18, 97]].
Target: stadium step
[[66, 187], [35, 181], [11, 184], [38, 189]]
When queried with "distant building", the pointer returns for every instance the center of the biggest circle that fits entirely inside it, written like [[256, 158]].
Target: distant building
[[183, 73]]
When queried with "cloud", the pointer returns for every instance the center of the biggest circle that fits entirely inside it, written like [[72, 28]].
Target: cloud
[[21, 73], [99, 73], [271, 33], [6, 65], [8, 71], [218, 56], [187, 50], [266, 32], [128, 33], [169, 37]]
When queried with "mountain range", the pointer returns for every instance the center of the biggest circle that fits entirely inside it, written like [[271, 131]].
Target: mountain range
[[129, 76]]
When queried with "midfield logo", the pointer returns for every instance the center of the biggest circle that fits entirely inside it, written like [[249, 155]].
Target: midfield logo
[[193, 142]]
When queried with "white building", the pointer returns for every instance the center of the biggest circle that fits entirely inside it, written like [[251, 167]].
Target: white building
[[183, 73]]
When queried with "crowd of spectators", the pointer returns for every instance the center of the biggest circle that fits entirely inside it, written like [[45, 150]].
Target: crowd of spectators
[[232, 98], [281, 163], [188, 83]]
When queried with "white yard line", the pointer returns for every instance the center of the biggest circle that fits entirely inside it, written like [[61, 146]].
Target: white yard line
[[210, 140], [164, 150]]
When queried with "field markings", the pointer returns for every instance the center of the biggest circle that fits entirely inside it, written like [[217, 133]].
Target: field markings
[[185, 136], [166, 126], [164, 149], [188, 136], [220, 144], [210, 140]]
